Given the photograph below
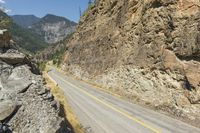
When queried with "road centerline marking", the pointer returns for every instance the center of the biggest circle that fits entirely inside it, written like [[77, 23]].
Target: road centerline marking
[[114, 109]]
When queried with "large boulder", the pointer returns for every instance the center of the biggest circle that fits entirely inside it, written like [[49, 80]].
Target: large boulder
[[12, 57], [192, 72], [17, 86], [7, 107], [4, 38], [18, 81]]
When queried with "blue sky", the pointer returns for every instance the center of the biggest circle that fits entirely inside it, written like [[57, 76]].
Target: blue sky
[[65, 8]]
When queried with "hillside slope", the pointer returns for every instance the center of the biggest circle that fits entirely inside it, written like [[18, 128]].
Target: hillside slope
[[24, 38], [145, 50], [27, 39]]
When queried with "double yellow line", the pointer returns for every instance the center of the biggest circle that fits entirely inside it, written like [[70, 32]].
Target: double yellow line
[[114, 109]]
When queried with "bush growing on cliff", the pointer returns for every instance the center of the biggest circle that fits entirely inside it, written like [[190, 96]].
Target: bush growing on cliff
[[57, 57], [91, 4], [42, 65]]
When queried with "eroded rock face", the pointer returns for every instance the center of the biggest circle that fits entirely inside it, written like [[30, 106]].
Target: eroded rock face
[[53, 28], [26, 105], [56, 31], [146, 49]]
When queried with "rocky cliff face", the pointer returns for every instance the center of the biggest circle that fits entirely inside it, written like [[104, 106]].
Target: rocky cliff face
[[26, 105], [53, 28], [147, 50]]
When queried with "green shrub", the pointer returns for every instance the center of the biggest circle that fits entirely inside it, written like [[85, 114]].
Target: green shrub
[[54, 61], [42, 66]]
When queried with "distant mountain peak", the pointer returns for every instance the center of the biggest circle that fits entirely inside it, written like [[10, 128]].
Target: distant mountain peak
[[50, 18], [51, 28], [25, 21], [51, 15], [54, 28], [31, 15]]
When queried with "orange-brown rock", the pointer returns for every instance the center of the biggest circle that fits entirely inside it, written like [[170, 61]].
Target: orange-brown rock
[[192, 72], [5, 38], [145, 49]]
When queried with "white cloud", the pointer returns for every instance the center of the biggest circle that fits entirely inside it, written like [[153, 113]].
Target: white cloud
[[2, 8], [2, 2], [5, 10]]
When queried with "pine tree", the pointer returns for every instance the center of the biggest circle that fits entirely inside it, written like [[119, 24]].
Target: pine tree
[[80, 12]]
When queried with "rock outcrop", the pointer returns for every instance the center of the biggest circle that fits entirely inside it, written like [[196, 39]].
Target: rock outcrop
[[12, 57], [148, 50], [4, 39], [7, 108], [26, 105], [53, 28]]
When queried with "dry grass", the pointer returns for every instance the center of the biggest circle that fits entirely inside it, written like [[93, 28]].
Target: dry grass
[[59, 96]]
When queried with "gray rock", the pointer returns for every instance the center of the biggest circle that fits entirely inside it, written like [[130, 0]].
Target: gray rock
[[17, 86], [5, 70], [38, 111], [12, 57], [41, 91], [4, 128], [18, 81], [48, 96], [7, 107]]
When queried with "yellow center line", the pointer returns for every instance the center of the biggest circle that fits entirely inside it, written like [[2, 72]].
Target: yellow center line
[[115, 109]]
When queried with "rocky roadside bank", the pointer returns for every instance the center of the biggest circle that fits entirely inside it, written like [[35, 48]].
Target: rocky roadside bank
[[146, 50], [26, 105]]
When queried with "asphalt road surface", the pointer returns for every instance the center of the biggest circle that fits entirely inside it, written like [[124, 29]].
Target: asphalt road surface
[[99, 112]]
